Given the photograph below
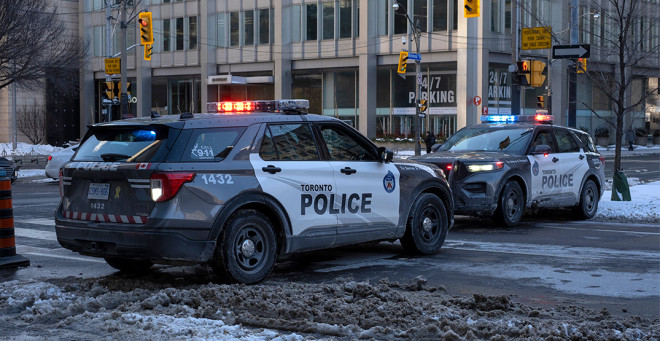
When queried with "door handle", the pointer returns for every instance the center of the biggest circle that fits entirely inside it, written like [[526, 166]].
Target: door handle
[[348, 170], [271, 169], [554, 159], [581, 157]]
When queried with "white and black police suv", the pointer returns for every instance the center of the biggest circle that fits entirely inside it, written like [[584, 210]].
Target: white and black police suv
[[510, 163], [240, 186]]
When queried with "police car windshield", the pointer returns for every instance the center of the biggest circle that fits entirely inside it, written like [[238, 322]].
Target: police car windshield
[[489, 139], [126, 144]]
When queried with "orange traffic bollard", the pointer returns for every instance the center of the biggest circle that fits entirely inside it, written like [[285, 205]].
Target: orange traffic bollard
[[8, 256]]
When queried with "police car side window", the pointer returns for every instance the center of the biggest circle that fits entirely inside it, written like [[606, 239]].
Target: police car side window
[[211, 144], [565, 142], [288, 142], [543, 137], [587, 142], [344, 147]]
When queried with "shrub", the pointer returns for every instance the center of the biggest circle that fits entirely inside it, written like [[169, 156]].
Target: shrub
[[602, 132], [640, 132]]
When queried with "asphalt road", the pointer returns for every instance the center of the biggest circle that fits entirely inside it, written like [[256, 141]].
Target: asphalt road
[[542, 262], [644, 167]]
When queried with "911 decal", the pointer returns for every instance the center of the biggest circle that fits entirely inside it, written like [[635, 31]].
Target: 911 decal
[[217, 179]]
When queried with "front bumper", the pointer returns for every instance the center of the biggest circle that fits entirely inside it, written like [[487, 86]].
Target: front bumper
[[476, 194]]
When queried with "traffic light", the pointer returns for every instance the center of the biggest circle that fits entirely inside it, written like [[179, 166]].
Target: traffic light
[[146, 28], [403, 62], [539, 102], [109, 90], [148, 51], [538, 72], [471, 8], [423, 105], [582, 65], [524, 72]]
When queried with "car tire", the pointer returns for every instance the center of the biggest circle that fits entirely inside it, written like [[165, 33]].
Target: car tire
[[427, 226], [131, 266], [589, 198], [247, 248], [510, 205]]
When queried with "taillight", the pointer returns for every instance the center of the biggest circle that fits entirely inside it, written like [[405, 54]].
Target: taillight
[[602, 160], [165, 185], [50, 157]]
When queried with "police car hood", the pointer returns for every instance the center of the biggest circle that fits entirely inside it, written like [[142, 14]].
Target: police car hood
[[445, 156]]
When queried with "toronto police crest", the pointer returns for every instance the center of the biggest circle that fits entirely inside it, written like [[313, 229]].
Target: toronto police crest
[[389, 182], [535, 168]]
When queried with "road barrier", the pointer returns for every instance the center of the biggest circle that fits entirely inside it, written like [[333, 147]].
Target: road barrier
[[8, 256]]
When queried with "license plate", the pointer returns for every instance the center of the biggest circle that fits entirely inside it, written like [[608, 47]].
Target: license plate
[[98, 191]]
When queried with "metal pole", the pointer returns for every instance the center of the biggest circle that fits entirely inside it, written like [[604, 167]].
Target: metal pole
[[123, 106], [515, 93], [572, 76], [13, 121], [108, 53], [418, 130]]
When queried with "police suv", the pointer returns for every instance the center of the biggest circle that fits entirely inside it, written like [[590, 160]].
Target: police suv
[[239, 187], [510, 163]]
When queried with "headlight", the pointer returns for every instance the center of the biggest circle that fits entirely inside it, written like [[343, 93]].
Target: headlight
[[485, 167]]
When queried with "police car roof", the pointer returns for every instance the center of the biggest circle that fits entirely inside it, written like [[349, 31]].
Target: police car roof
[[216, 120]]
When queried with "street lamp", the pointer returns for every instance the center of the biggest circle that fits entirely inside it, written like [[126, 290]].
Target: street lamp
[[417, 32]]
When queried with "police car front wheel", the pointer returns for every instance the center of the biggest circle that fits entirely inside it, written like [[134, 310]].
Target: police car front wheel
[[510, 205], [589, 197], [246, 249], [427, 226]]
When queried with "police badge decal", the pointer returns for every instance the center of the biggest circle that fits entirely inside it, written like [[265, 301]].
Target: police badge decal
[[389, 182], [535, 168]]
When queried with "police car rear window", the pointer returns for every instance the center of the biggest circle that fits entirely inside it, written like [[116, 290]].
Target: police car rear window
[[211, 144], [127, 144], [486, 138]]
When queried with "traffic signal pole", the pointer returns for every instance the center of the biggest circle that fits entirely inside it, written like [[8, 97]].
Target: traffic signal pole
[[123, 99], [418, 131], [572, 76], [108, 53]]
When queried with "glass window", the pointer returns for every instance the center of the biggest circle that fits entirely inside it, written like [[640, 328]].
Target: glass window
[[130, 144], [343, 146], [565, 142], [421, 14], [264, 26], [211, 144], [455, 19], [222, 30], [495, 16], [296, 23], [248, 28], [544, 137], [99, 39], [167, 31], [486, 138], [233, 29], [179, 34], [311, 22], [192, 32], [345, 19], [328, 20], [289, 142], [400, 21], [439, 15], [383, 15], [587, 142]]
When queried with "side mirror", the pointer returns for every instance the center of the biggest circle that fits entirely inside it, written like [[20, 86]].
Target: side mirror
[[385, 154], [542, 149]]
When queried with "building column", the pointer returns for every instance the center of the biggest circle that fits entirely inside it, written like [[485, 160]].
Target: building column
[[368, 67], [282, 50], [86, 77], [471, 68]]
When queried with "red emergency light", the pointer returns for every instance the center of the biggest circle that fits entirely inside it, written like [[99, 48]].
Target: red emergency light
[[224, 107]]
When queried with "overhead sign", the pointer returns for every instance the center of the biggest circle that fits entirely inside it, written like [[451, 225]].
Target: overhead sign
[[571, 51], [534, 38], [414, 56], [112, 66]]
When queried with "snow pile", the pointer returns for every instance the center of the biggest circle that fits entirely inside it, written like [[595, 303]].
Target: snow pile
[[143, 309], [643, 208], [22, 148]]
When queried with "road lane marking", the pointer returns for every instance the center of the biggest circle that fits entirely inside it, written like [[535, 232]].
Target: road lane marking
[[599, 230], [37, 221], [35, 234], [53, 253], [82, 259]]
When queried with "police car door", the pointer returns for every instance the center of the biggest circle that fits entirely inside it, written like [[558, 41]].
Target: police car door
[[289, 168], [544, 167], [573, 165], [367, 201]]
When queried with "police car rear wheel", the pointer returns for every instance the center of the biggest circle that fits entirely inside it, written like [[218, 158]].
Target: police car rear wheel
[[246, 249], [132, 266], [510, 206], [427, 226], [588, 201]]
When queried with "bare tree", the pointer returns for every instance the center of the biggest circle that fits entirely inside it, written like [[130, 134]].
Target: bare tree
[[33, 40], [629, 50], [31, 122]]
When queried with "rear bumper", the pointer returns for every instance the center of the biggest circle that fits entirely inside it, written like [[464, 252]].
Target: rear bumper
[[132, 241]]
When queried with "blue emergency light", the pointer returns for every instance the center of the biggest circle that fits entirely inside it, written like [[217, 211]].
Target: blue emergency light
[[538, 118]]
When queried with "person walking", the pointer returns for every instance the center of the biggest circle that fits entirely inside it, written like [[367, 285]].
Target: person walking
[[630, 134], [429, 140]]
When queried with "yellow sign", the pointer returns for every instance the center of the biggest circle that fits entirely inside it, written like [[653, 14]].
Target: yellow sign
[[112, 66], [534, 38]]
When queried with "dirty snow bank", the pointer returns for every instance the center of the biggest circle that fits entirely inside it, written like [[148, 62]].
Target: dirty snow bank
[[137, 309], [643, 208], [22, 148]]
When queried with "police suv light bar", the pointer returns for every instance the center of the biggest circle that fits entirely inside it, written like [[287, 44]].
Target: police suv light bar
[[539, 118], [299, 105]]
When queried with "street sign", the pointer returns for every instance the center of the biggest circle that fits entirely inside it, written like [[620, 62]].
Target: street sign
[[571, 51], [112, 66], [484, 110], [476, 100], [534, 38], [419, 78], [414, 56]]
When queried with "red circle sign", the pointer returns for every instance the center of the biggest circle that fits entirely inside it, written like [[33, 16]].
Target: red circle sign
[[476, 100], [484, 110]]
